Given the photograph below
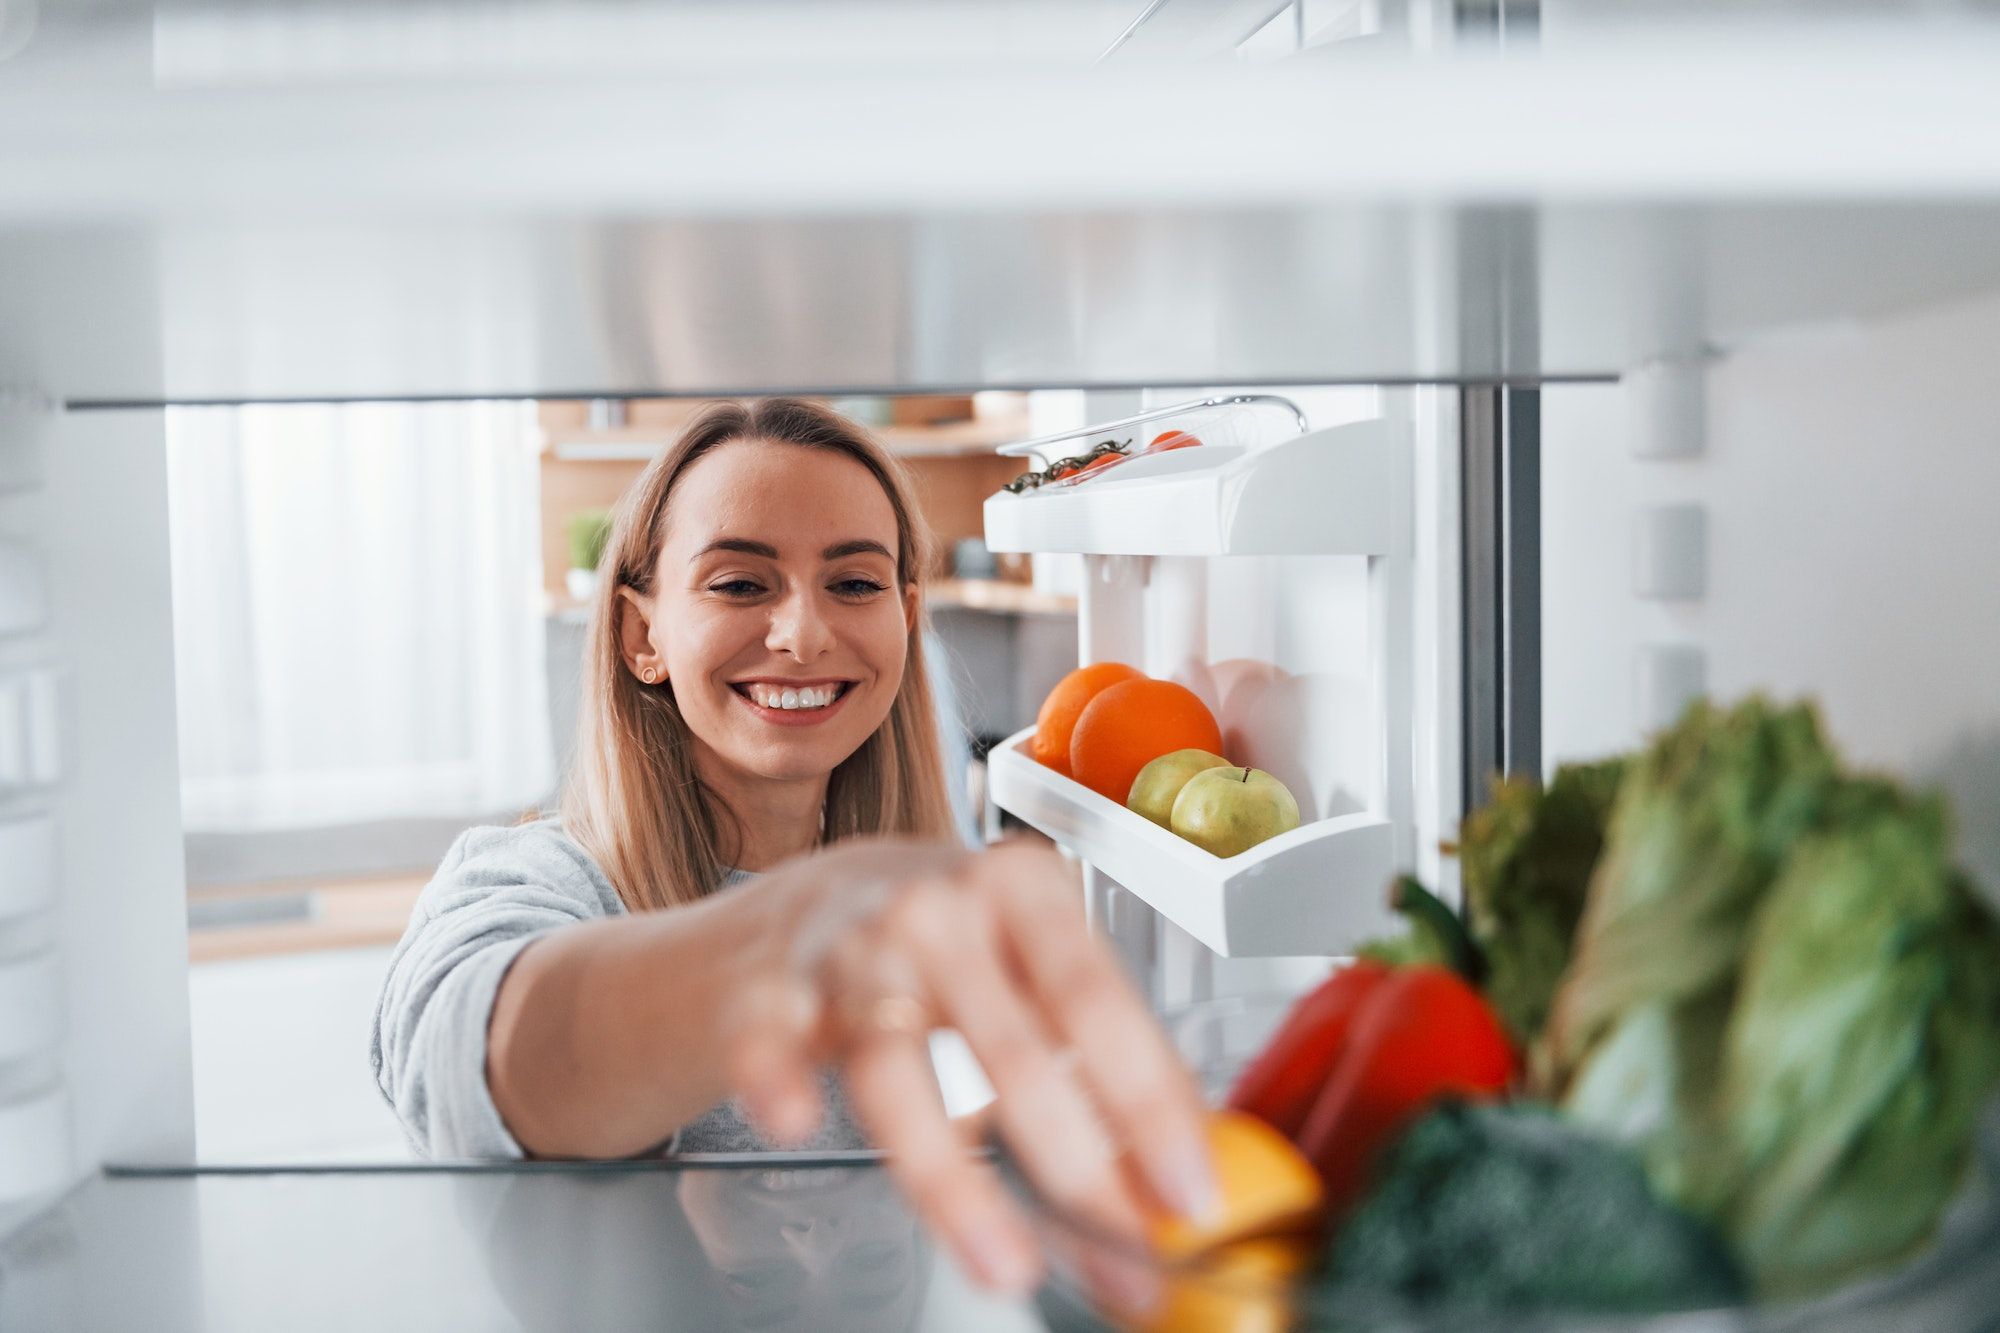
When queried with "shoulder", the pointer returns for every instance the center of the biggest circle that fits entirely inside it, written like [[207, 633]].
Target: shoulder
[[534, 863]]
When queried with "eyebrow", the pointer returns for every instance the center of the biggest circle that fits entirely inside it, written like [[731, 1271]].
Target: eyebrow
[[764, 549], [839, 550]]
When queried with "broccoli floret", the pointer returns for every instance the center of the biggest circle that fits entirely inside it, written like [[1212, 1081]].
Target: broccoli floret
[[1511, 1209]]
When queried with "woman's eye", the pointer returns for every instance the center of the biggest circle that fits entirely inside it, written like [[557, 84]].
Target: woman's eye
[[736, 588], [859, 587]]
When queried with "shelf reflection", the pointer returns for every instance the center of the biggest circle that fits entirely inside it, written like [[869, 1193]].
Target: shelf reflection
[[784, 1247]]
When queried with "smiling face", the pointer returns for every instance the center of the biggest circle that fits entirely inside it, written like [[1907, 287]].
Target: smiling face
[[778, 613]]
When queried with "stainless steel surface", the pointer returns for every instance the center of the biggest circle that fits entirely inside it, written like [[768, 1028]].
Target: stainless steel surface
[[770, 1246], [1482, 649], [1360, 293], [1501, 609], [1521, 581]]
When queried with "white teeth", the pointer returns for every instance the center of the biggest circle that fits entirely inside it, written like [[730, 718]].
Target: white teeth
[[769, 696]]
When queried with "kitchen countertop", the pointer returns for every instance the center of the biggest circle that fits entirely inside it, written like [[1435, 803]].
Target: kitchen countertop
[[780, 1244]]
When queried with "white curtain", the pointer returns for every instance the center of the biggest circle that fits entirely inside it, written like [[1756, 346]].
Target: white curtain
[[357, 612]]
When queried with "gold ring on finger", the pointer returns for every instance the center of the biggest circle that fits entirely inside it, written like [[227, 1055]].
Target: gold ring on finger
[[898, 1016]]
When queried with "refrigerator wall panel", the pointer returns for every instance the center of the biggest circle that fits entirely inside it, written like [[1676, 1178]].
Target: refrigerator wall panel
[[27, 863], [30, 1005], [1853, 555], [90, 843]]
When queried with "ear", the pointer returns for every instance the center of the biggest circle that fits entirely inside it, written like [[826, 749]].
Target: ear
[[635, 636], [913, 603]]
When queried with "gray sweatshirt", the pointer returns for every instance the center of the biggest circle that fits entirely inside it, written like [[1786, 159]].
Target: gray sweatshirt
[[496, 889]]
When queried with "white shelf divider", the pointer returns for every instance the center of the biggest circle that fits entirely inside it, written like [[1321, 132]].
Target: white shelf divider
[[1330, 492], [1317, 891]]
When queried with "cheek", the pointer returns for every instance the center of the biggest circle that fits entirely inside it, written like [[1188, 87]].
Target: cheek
[[884, 642], [705, 640]]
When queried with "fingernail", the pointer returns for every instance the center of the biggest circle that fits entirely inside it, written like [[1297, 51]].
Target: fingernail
[[1186, 1181], [998, 1258]]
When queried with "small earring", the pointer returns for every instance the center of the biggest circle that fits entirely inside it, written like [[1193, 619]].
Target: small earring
[[649, 675]]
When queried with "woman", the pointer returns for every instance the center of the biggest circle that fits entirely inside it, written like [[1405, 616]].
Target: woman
[[752, 881]]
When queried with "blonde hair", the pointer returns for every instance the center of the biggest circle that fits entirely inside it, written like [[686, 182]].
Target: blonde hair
[[633, 798]]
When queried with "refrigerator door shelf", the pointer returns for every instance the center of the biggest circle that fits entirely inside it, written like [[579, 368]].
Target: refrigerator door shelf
[[1317, 891], [1240, 420], [1333, 492]]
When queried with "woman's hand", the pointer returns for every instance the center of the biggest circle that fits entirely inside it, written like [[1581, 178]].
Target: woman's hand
[[881, 942]]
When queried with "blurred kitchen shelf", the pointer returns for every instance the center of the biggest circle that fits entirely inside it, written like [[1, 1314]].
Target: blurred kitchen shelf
[[1317, 891], [949, 439], [998, 595], [324, 914], [1331, 492]]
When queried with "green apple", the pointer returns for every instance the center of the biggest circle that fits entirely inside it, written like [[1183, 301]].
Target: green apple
[[1229, 810], [1159, 782]]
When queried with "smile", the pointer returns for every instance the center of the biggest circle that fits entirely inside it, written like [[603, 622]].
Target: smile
[[793, 703]]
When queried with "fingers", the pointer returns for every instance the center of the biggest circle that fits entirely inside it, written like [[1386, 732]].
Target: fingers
[[1040, 1104], [1150, 1101], [994, 945], [770, 1027], [895, 1097]]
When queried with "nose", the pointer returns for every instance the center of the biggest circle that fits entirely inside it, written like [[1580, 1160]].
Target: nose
[[814, 1242], [799, 628]]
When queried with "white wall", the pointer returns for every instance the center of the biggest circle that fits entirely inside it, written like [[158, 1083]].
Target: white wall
[[1851, 486]]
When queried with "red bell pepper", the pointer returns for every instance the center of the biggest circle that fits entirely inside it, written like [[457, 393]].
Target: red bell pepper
[[1420, 1036], [1280, 1085]]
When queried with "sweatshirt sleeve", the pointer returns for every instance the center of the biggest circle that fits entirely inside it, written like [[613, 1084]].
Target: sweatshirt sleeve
[[497, 889]]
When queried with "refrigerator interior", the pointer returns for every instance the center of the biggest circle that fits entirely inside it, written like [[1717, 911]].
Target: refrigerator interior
[[1755, 329]]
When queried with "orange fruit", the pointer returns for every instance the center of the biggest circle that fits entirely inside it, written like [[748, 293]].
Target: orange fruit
[[1066, 703], [1242, 1287], [1132, 723], [1268, 1188]]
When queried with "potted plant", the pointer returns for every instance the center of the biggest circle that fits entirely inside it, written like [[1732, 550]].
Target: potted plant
[[589, 530]]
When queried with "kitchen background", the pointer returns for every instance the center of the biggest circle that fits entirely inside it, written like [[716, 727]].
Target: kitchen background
[[379, 612]]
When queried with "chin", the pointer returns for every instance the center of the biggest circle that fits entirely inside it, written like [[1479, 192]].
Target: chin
[[795, 766], [784, 759]]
